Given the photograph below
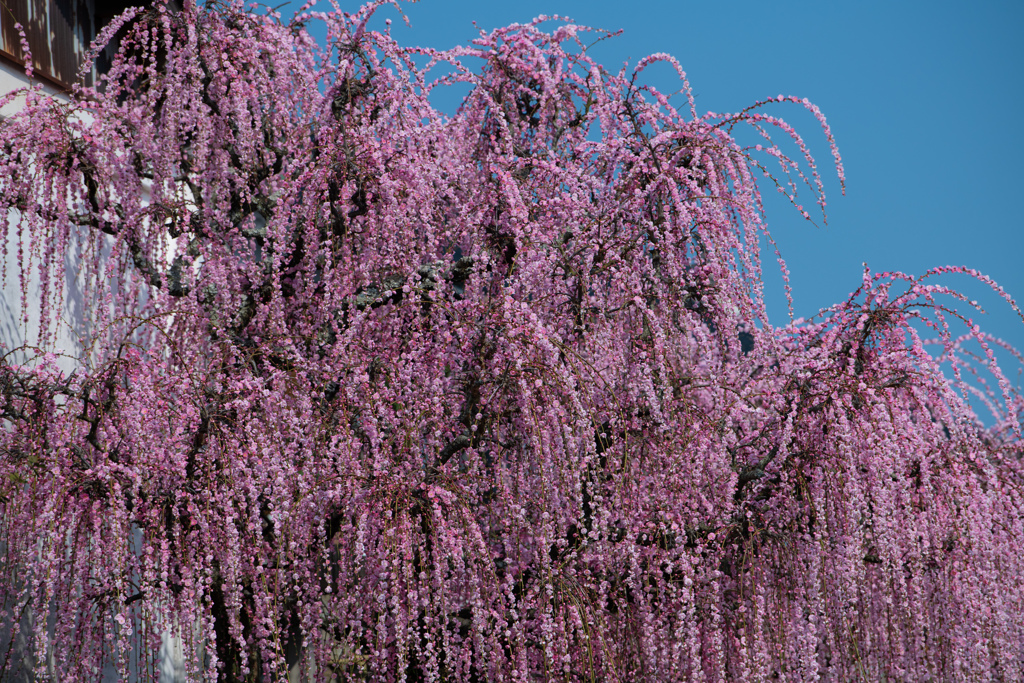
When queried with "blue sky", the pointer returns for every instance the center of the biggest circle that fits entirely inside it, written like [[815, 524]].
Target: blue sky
[[923, 99]]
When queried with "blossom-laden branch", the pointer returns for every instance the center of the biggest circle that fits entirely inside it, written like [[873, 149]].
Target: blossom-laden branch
[[384, 394]]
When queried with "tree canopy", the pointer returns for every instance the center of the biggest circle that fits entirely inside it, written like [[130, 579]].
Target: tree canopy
[[371, 392]]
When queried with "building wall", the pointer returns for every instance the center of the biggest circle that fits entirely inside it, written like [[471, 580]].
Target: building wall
[[59, 33], [20, 326]]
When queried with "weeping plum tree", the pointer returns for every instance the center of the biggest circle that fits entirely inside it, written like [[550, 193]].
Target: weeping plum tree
[[369, 392]]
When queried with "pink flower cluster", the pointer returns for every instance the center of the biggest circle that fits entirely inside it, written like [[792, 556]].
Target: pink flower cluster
[[384, 394]]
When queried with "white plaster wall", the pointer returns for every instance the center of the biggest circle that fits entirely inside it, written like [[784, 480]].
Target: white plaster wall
[[19, 326]]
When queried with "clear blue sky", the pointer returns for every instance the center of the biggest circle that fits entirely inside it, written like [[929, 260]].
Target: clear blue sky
[[923, 98]]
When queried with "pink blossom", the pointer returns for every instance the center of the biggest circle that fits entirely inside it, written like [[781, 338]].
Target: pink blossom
[[490, 396]]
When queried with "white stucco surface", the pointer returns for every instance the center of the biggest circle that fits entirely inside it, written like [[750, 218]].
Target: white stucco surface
[[19, 327]]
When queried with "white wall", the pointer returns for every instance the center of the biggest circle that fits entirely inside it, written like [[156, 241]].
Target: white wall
[[14, 334], [14, 331]]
